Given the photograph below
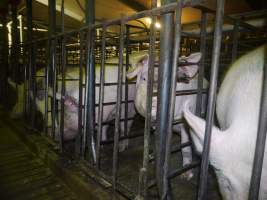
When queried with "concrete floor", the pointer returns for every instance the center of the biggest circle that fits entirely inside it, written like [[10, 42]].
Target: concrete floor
[[22, 175]]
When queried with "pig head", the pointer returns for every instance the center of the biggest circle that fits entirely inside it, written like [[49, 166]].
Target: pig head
[[186, 79]]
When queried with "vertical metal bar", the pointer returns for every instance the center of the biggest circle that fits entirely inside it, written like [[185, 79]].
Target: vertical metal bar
[[54, 85], [261, 138], [4, 55], [176, 50], [90, 81], [15, 44], [164, 84], [202, 62], [142, 190], [235, 40], [47, 85], [29, 39], [211, 99], [118, 109], [126, 86], [101, 96], [33, 84], [80, 114], [52, 70], [63, 86]]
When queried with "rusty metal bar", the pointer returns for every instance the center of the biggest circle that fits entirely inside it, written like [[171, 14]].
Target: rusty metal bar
[[254, 191], [101, 96], [118, 108], [63, 85], [211, 100], [201, 70]]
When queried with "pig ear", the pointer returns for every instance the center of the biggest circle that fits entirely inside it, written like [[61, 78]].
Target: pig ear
[[193, 58], [138, 67], [190, 70]]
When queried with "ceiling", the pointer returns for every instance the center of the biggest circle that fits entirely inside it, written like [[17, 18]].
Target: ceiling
[[111, 9]]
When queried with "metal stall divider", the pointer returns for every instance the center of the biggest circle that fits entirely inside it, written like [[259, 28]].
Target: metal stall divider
[[118, 107], [33, 85], [164, 84], [88, 130], [166, 193], [47, 78], [101, 95], [54, 85], [261, 138], [202, 63], [235, 40], [63, 85], [211, 100], [78, 139], [142, 189]]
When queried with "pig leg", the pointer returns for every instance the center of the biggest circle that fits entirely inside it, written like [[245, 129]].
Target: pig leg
[[123, 144], [186, 151]]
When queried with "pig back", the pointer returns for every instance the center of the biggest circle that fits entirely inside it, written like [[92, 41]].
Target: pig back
[[239, 96]]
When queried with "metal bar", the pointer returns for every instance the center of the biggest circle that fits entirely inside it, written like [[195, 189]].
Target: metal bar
[[164, 86], [54, 85], [126, 87], [173, 80], [4, 63], [124, 138], [33, 85], [211, 100], [175, 173], [90, 127], [101, 96], [202, 62], [29, 39], [80, 112], [118, 108], [47, 85], [15, 45], [235, 40], [261, 139], [63, 85]]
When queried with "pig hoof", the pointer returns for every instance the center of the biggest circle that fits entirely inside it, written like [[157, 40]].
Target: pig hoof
[[123, 145], [187, 175]]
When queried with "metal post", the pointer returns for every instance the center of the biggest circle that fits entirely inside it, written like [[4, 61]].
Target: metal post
[[15, 44], [261, 139], [89, 121], [52, 71], [63, 86], [80, 114], [4, 63], [202, 62], [47, 66], [101, 96], [166, 194], [28, 67], [126, 86], [142, 189], [235, 40], [118, 109], [211, 100], [164, 84]]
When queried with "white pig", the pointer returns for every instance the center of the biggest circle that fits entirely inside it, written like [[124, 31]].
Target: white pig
[[189, 75], [110, 95], [233, 144]]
